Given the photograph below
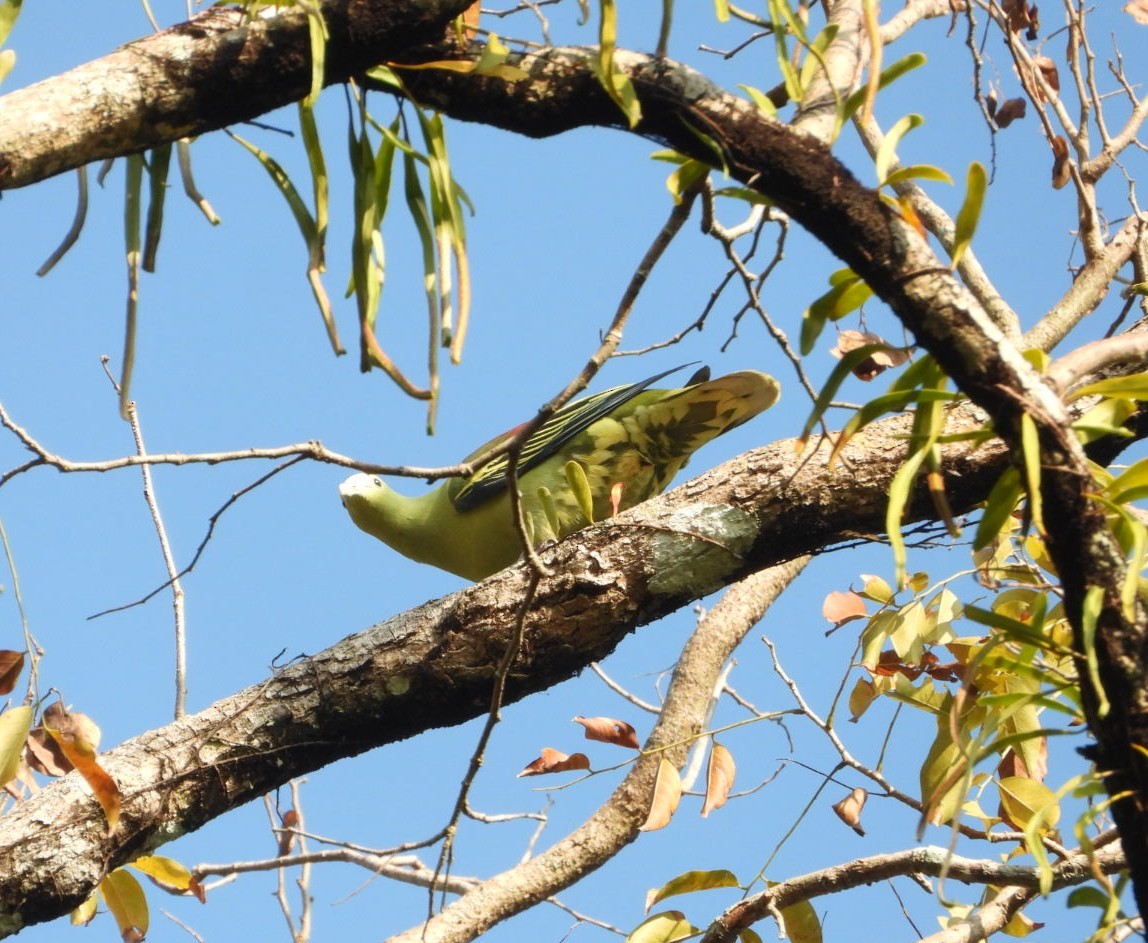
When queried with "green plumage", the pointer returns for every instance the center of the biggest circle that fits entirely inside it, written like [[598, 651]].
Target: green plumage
[[600, 454]]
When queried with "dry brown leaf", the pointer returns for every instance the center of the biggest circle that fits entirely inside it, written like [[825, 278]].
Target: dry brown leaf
[[1048, 72], [1022, 16], [11, 664], [719, 778], [1138, 10], [44, 755], [1061, 169], [555, 761], [287, 825], [667, 795], [609, 730], [877, 362], [849, 809], [81, 753], [841, 607], [1009, 111]]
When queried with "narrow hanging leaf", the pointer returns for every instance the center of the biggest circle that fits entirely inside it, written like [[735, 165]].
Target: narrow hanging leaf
[[1089, 615], [580, 488], [1030, 449], [134, 184], [14, 726], [1001, 502], [1134, 386], [9, 10], [183, 155], [126, 902], [720, 772], [157, 192], [308, 228], [616, 83], [759, 98], [970, 212], [887, 152], [546, 499], [667, 795], [7, 62], [890, 74]]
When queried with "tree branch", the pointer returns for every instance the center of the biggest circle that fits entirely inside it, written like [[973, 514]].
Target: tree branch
[[431, 667]]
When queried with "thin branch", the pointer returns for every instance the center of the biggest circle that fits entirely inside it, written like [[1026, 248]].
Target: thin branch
[[931, 861]]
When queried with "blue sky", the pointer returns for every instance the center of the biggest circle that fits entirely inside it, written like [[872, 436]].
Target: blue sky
[[232, 354]]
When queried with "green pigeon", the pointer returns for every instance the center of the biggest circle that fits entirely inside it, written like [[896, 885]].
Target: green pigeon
[[593, 458]]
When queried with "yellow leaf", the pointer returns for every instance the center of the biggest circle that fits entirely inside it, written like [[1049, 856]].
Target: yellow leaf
[[166, 872], [666, 927], [125, 899], [1023, 799], [14, 726]]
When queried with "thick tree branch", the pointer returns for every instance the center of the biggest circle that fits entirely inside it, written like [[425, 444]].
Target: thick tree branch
[[219, 68], [430, 667]]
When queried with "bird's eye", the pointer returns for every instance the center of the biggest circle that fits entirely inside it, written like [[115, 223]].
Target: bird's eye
[[376, 481]]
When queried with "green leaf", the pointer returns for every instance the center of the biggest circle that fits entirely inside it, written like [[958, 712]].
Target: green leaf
[[918, 172], [970, 213], [1133, 386], [617, 84], [816, 56], [801, 923], [132, 201], [692, 881], [1089, 614], [685, 177], [889, 74], [157, 169], [580, 486], [759, 98], [779, 12], [845, 295], [1001, 502], [9, 10], [1030, 452], [721, 10], [887, 152]]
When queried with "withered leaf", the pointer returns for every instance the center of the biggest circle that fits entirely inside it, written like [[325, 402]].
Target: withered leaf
[[1138, 10], [1009, 111], [1061, 171], [44, 755], [849, 809], [288, 823], [877, 362], [11, 664], [555, 761], [667, 795], [1048, 71], [609, 730], [720, 772], [81, 753], [841, 607]]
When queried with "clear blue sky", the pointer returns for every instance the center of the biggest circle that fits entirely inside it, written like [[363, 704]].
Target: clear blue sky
[[232, 354]]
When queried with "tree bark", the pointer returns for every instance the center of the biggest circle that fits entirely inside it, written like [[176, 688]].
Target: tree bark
[[432, 666]]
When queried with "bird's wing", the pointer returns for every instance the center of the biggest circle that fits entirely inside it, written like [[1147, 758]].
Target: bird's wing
[[546, 441]]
